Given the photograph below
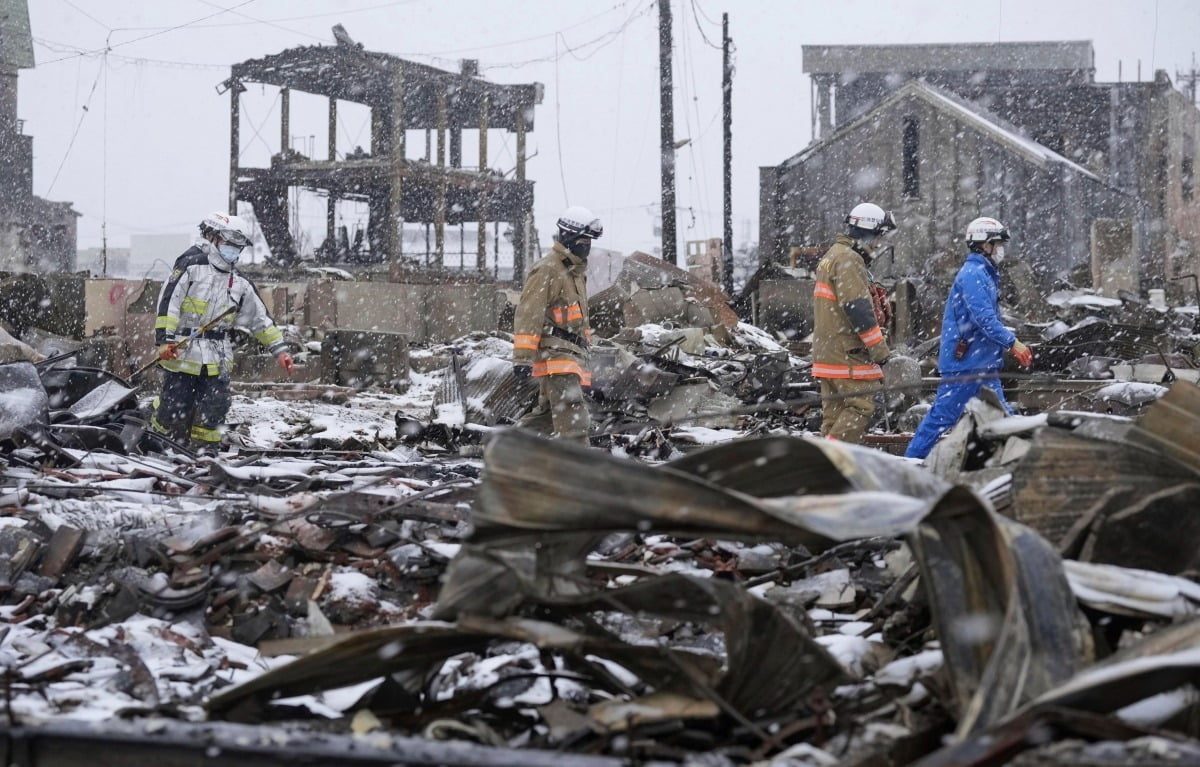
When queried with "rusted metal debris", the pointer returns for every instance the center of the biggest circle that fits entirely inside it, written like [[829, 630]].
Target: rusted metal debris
[[769, 599]]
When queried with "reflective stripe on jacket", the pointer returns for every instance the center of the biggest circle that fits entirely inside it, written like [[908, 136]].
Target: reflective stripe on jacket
[[847, 339], [973, 314], [201, 287], [554, 298]]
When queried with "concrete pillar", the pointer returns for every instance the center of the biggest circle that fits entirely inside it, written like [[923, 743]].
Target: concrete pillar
[[285, 120], [396, 168], [1114, 262], [522, 215], [456, 147], [825, 105]]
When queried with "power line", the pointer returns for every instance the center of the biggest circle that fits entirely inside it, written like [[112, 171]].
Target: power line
[[267, 22], [604, 38], [285, 18], [78, 125], [562, 174], [261, 124], [688, 71], [555, 33], [108, 47], [617, 121], [696, 18], [600, 42], [696, 6], [57, 47], [88, 15]]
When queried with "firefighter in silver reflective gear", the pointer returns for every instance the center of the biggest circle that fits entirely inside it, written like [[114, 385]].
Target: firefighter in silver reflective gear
[[204, 285], [551, 333]]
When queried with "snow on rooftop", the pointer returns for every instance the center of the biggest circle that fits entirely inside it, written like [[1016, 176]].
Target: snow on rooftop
[[1026, 145]]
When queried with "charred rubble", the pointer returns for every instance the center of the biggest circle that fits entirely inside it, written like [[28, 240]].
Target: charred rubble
[[372, 567]]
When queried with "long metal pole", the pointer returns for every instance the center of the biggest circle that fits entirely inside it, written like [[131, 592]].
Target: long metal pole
[[484, 185], [727, 89], [331, 203], [234, 141], [439, 203], [667, 133]]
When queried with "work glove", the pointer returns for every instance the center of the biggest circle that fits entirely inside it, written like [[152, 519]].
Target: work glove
[[522, 372], [285, 362], [1022, 354], [167, 352]]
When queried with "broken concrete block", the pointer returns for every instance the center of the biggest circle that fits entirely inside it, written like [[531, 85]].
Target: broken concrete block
[[64, 546]]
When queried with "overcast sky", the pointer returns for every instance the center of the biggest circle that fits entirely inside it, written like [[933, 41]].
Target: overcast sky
[[142, 143]]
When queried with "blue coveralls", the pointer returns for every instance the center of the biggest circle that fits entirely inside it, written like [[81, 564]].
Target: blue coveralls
[[973, 314]]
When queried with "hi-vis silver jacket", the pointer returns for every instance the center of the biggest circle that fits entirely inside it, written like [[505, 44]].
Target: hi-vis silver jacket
[[200, 288]]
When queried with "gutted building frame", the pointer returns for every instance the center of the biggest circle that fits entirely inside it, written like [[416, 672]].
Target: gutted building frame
[[402, 96]]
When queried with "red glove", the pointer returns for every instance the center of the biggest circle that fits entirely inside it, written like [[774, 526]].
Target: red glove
[[285, 362], [1022, 354], [167, 352]]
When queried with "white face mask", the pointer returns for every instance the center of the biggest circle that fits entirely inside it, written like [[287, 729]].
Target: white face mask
[[998, 254], [229, 252]]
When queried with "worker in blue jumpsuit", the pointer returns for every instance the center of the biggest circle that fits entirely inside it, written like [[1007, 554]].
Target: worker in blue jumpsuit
[[973, 337]]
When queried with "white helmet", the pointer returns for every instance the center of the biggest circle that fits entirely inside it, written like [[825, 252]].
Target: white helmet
[[577, 221], [986, 229], [871, 217], [232, 229]]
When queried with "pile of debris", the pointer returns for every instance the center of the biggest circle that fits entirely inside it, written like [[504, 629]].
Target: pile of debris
[[779, 599], [383, 567]]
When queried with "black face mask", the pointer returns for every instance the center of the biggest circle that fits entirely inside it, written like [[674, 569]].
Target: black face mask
[[581, 247]]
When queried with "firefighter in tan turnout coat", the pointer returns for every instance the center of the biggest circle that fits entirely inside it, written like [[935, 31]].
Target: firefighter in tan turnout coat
[[550, 330], [848, 344]]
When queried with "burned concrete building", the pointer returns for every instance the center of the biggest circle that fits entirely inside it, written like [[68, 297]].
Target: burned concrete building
[[1094, 180], [36, 235], [412, 200]]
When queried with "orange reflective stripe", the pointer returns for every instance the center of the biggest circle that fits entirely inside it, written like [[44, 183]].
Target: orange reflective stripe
[[857, 372], [872, 336], [574, 312], [557, 313], [560, 368], [526, 341], [822, 290]]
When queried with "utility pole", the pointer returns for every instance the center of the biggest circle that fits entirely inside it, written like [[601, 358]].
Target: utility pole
[[667, 133], [1190, 77], [727, 90]]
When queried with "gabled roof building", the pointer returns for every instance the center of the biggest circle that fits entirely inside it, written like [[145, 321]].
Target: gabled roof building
[[1094, 180]]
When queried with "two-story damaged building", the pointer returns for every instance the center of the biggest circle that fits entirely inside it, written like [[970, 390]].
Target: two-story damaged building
[[36, 235], [1094, 180]]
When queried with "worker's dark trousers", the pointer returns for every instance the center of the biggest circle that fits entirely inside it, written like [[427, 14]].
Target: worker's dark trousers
[[192, 407]]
